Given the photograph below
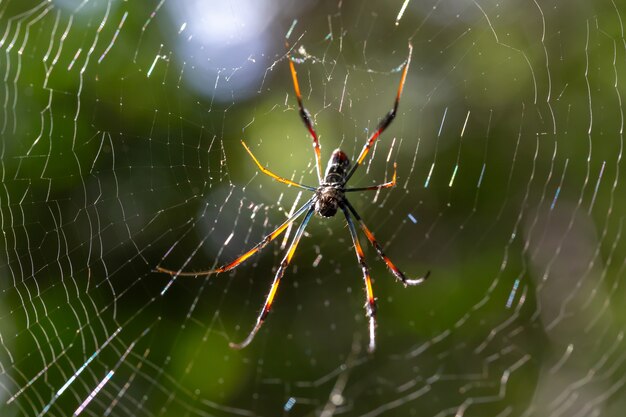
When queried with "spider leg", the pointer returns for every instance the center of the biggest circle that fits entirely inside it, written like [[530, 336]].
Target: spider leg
[[279, 274], [370, 304], [271, 174], [370, 236], [231, 265], [385, 121], [389, 184], [306, 118]]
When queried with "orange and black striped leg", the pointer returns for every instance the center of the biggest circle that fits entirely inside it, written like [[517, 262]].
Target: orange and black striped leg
[[306, 118], [394, 269], [267, 239], [386, 121], [370, 304], [389, 184], [279, 274], [271, 174]]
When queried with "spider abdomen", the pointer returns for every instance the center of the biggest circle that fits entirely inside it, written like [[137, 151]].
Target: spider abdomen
[[337, 168]]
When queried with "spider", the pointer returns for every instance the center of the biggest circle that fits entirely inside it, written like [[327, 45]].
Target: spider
[[328, 197]]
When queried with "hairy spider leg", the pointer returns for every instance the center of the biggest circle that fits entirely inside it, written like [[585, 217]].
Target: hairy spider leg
[[306, 118], [370, 304], [271, 174], [389, 184], [259, 246], [385, 121], [279, 274], [370, 236]]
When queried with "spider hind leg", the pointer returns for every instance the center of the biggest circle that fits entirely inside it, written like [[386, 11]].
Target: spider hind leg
[[306, 118], [386, 120]]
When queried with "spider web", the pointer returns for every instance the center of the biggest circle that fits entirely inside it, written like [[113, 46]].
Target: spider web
[[121, 125]]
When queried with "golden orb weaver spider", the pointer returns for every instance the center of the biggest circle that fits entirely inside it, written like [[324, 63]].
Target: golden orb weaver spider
[[328, 197]]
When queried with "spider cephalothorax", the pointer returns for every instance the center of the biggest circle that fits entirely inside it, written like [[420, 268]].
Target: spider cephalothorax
[[329, 197], [327, 200]]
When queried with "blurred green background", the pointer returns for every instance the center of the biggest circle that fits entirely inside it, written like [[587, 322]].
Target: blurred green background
[[121, 125]]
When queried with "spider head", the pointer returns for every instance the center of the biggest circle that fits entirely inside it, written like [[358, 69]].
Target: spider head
[[327, 202], [337, 168]]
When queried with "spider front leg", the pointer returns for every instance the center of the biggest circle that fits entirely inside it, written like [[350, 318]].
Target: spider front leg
[[370, 304], [306, 118], [370, 236], [233, 264], [279, 274]]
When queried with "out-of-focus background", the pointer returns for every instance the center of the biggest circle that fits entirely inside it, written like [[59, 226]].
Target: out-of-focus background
[[121, 123]]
